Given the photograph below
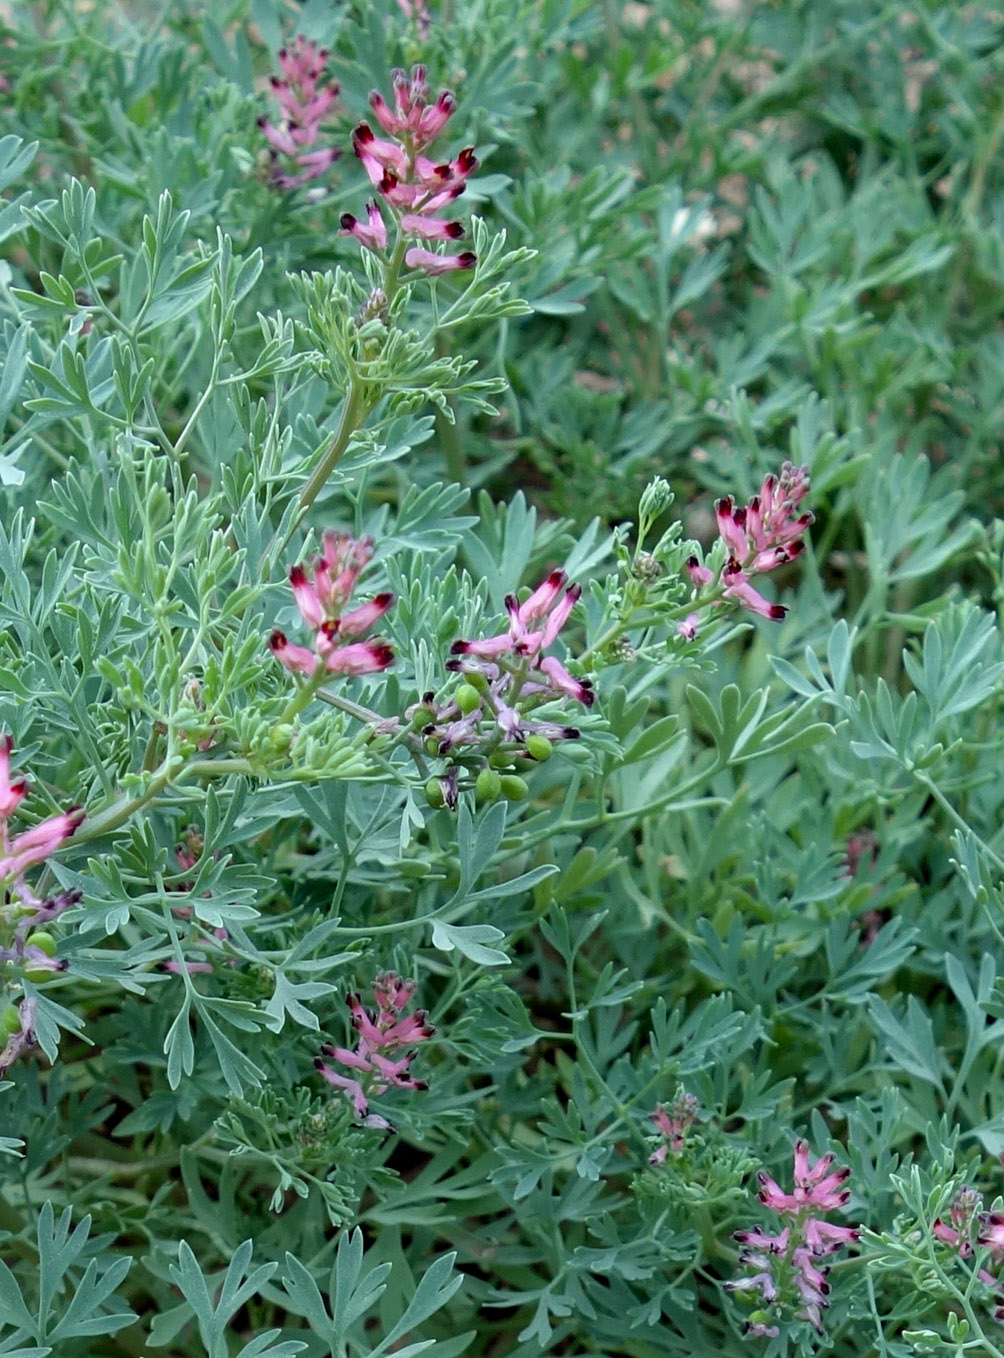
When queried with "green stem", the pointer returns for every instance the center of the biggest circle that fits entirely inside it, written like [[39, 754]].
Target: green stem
[[353, 412]]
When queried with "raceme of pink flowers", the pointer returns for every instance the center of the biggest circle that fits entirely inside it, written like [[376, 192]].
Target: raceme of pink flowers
[[30, 847], [321, 597], [515, 674], [782, 1268], [759, 537], [18, 853], [412, 187], [379, 1059], [304, 101]]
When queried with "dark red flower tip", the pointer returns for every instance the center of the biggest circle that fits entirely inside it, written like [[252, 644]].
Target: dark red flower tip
[[467, 260], [467, 160], [277, 640], [459, 647], [777, 612], [383, 655], [362, 135], [346, 221], [297, 576], [454, 230]]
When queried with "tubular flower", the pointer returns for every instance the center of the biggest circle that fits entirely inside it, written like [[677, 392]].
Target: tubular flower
[[782, 1269], [377, 1057], [966, 1220], [30, 847], [304, 102], [321, 601], [413, 187], [759, 537]]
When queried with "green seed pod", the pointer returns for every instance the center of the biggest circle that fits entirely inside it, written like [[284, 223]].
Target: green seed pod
[[44, 941], [539, 748], [468, 699], [10, 1020], [434, 794], [477, 681], [500, 760], [431, 745], [514, 788], [488, 786]]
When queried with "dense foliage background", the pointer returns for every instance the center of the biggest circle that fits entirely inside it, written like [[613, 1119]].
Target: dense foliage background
[[762, 890]]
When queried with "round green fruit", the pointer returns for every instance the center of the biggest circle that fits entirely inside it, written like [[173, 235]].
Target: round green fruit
[[514, 788], [44, 941], [487, 787], [10, 1020], [434, 794], [468, 699], [539, 748]]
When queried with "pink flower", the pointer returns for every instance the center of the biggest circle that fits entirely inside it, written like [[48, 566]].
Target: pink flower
[[304, 103], [991, 1234], [30, 847], [412, 185], [513, 676], [321, 603], [12, 791], [433, 265], [814, 1185], [785, 1272], [380, 1036], [759, 537], [374, 235]]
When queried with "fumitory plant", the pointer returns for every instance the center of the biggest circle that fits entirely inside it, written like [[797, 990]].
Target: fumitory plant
[[501, 587]]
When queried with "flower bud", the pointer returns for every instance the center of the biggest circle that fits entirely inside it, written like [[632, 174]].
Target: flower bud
[[656, 497], [514, 788]]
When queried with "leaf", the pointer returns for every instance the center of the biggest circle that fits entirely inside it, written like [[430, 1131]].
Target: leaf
[[432, 1293], [470, 940]]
